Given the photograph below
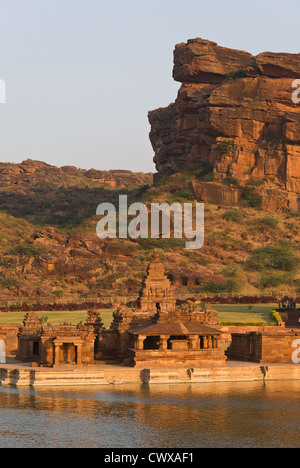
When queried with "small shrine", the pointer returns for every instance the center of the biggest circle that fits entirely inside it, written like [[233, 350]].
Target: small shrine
[[157, 333], [55, 345]]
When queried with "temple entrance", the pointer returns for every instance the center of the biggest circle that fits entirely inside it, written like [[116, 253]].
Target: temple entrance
[[36, 348], [68, 354], [67, 350], [151, 342]]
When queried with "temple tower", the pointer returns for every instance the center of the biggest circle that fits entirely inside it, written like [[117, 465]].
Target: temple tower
[[156, 296]]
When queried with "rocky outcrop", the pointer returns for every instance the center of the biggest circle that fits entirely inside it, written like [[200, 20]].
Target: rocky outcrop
[[36, 172], [235, 113], [201, 61], [213, 192]]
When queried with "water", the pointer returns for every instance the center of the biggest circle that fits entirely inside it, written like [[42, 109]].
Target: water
[[179, 416]]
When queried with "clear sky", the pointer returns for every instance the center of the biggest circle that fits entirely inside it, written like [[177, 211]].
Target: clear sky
[[81, 75]]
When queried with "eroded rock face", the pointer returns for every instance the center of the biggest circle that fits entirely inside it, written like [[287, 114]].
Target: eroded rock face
[[232, 97]]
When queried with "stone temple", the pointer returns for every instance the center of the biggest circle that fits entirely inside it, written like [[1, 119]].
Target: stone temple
[[154, 334]]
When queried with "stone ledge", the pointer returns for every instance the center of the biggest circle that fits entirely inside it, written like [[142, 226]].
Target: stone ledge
[[117, 375]]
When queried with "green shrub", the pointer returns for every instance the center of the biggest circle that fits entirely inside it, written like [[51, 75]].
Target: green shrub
[[151, 195], [233, 215], [269, 222], [210, 177], [251, 199], [43, 319], [276, 316], [201, 169], [216, 287], [213, 287], [226, 146], [232, 286], [274, 280], [274, 257], [256, 182], [244, 324], [185, 193], [230, 272], [27, 250], [8, 282], [233, 75], [164, 244], [203, 261], [229, 180], [58, 293]]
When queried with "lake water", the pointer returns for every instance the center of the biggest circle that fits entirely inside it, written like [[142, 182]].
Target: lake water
[[181, 416]]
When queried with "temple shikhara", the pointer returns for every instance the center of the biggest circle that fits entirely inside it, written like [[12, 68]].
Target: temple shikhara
[[155, 334]]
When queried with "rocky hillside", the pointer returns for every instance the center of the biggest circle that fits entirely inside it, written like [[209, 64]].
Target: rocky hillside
[[35, 173], [65, 196], [49, 249], [234, 113]]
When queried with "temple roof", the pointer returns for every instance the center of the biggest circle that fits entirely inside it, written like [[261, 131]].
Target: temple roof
[[176, 329]]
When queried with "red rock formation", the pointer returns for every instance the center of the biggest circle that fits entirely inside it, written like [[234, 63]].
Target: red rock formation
[[243, 101]]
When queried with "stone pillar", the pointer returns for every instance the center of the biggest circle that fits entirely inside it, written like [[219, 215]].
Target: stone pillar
[[56, 354], [163, 345], [205, 342], [79, 355], [194, 341], [136, 343], [210, 342], [140, 342]]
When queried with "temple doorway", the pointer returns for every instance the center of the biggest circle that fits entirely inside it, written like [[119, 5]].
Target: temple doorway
[[67, 354], [151, 342], [36, 348]]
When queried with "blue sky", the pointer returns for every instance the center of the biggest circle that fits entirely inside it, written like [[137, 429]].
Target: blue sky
[[81, 75]]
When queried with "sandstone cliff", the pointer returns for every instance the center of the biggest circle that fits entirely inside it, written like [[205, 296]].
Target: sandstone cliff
[[235, 113]]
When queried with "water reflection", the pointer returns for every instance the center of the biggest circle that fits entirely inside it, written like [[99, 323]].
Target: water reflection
[[181, 416]]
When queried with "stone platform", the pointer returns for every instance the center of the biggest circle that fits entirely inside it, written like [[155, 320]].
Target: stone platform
[[24, 375]]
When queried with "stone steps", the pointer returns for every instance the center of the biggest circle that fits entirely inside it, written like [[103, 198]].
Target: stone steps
[[118, 376], [16, 377], [34, 378], [152, 376], [69, 378]]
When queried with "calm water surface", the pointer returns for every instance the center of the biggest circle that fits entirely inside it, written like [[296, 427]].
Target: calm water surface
[[180, 416]]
